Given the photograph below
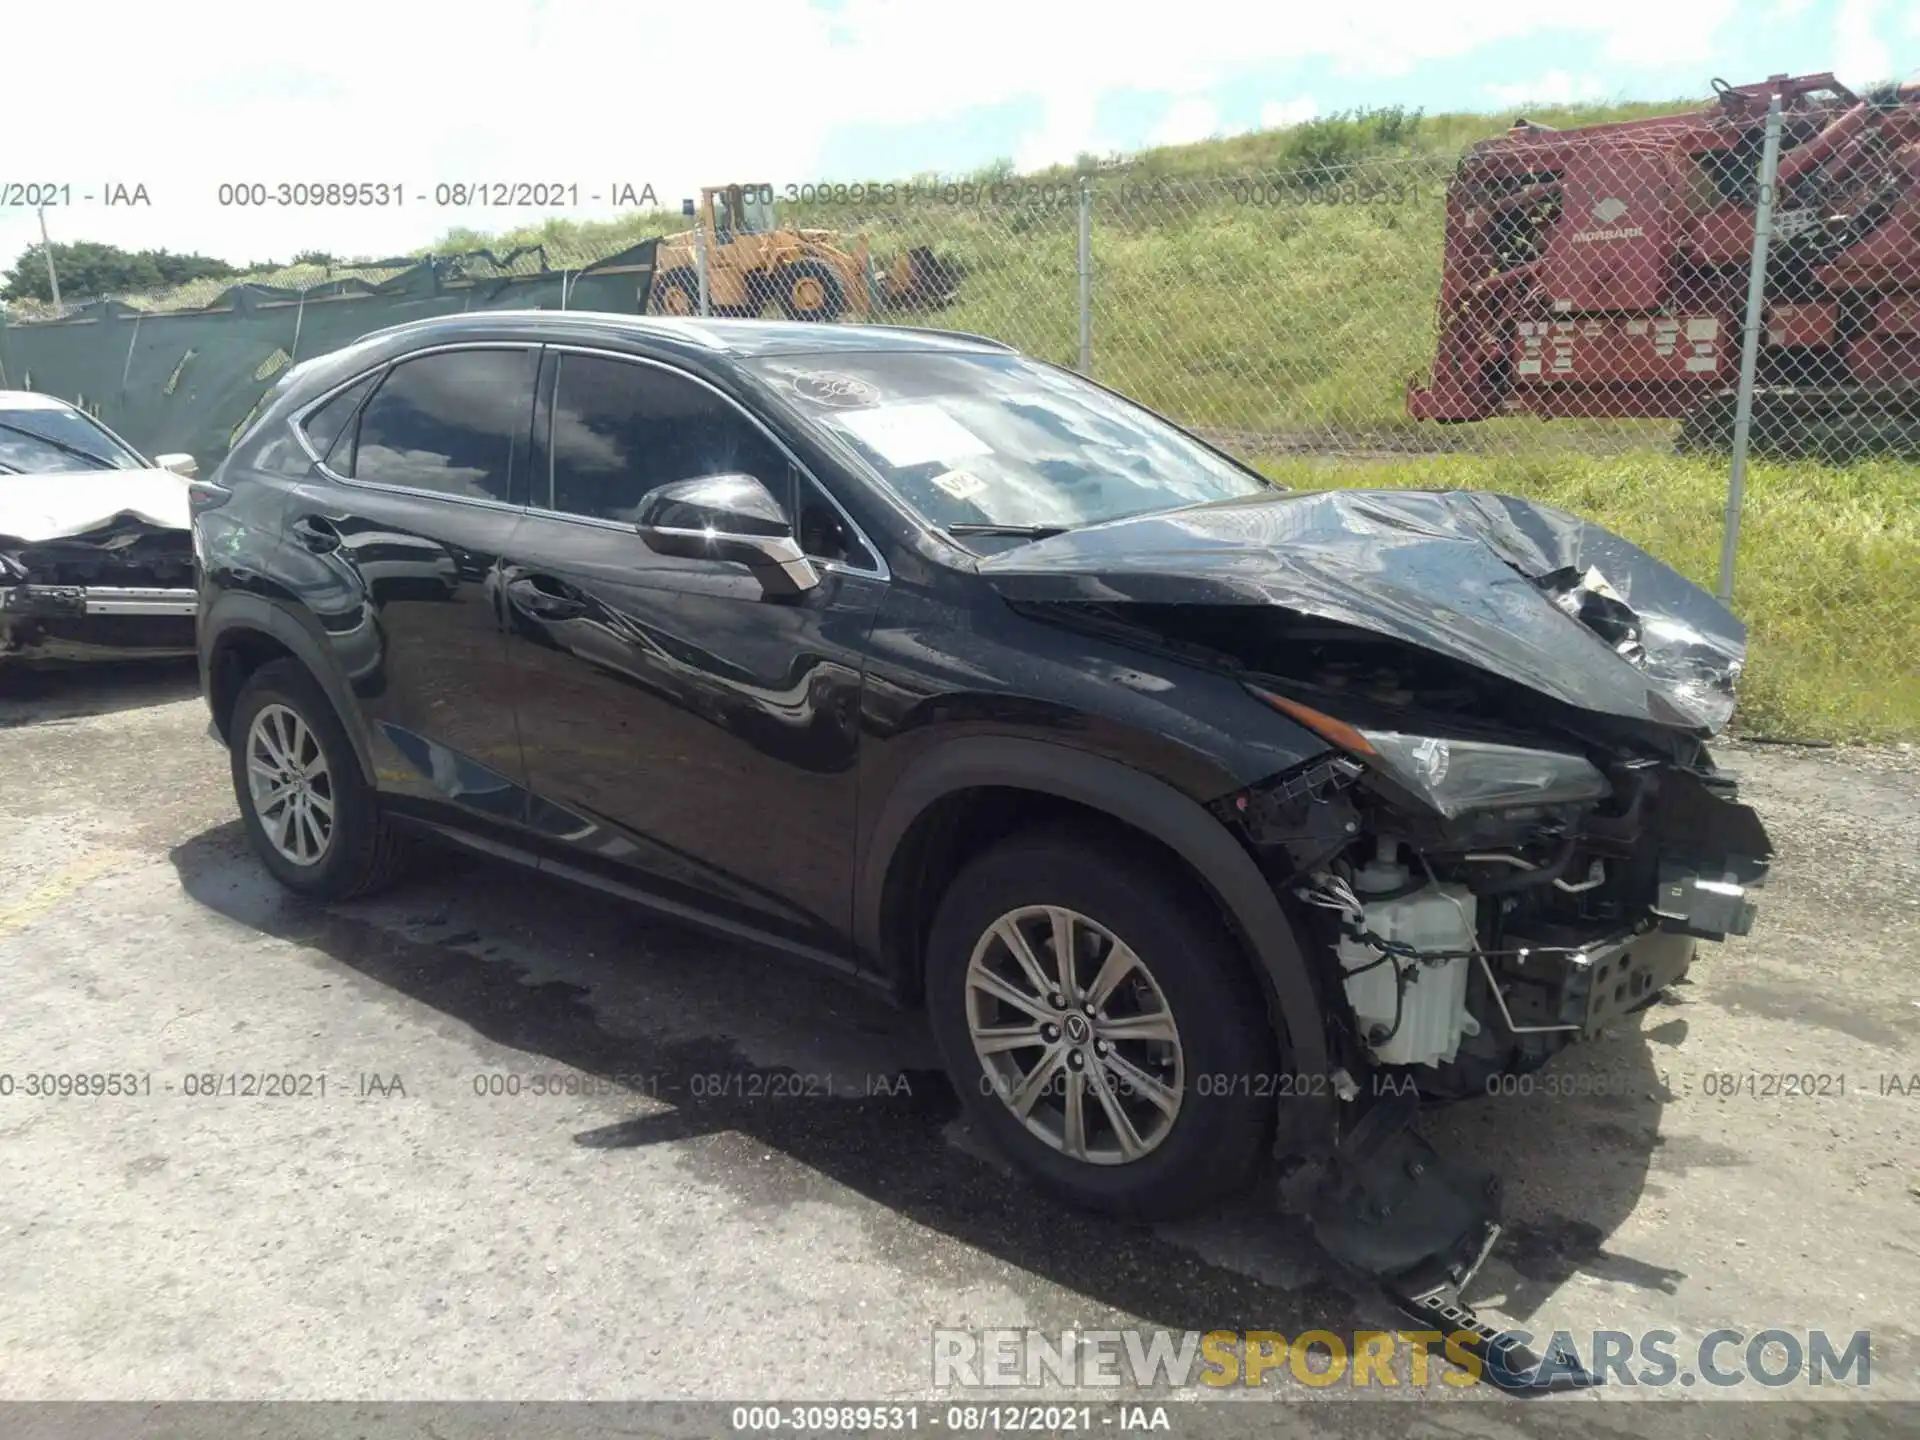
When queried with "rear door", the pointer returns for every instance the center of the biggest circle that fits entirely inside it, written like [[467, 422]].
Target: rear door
[[394, 542], [684, 733]]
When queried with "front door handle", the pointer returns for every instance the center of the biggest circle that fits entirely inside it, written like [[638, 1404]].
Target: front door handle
[[316, 534], [527, 593]]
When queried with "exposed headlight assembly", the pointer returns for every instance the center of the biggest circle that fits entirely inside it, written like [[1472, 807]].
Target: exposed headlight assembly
[[1456, 776]]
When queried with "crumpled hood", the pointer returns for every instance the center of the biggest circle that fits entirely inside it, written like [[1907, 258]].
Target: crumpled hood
[[1512, 587], [34, 508]]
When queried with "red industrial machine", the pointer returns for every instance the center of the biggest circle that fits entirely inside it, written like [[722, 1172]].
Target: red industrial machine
[[1603, 271]]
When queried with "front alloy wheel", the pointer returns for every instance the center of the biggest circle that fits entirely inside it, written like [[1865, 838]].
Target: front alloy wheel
[[290, 785], [1100, 1024], [1075, 1035]]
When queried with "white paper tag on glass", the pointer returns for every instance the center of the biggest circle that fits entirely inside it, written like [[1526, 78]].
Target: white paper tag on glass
[[960, 484], [913, 434]]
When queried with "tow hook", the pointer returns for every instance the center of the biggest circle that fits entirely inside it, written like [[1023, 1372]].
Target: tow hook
[[1393, 1209]]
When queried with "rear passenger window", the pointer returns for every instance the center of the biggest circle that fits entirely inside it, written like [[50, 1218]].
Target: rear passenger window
[[325, 425], [446, 423], [622, 430]]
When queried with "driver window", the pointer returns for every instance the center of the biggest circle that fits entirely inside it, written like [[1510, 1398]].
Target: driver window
[[756, 210], [621, 430]]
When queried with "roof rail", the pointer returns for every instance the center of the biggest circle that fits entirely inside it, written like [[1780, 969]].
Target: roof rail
[[956, 334]]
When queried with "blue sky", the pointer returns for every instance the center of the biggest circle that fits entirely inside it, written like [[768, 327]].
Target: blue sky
[[1548, 65], [598, 92]]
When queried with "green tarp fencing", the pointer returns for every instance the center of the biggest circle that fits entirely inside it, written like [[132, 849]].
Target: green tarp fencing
[[190, 380]]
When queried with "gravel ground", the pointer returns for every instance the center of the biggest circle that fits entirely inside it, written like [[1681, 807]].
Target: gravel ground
[[406, 1237]]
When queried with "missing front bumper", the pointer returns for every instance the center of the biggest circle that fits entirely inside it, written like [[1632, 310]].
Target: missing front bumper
[[64, 623], [1626, 975], [68, 601]]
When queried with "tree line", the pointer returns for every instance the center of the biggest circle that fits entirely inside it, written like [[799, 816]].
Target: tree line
[[87, 268]]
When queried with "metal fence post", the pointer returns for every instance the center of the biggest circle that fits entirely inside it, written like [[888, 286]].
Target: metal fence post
[[700, 261], [1085, 271], [1750, 344], [46, 251]]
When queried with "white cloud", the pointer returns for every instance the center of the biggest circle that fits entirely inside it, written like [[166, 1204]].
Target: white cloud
[[1860, 57], [1066, 132], [1185, 122], [1277, 114], [595, 91], [1556, 87]]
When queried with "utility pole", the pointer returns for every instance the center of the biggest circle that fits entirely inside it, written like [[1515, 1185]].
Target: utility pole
[[46, 250]]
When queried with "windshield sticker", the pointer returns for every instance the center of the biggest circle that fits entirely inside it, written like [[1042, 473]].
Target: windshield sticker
[[829, 387], [913, 434], [960, 484]]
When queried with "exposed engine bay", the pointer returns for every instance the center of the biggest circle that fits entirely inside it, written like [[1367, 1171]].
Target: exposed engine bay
[[123, 589], [1464, 954], [1477, 906]]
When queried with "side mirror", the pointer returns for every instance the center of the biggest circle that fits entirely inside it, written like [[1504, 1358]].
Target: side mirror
[[728, 517], [180, 464]]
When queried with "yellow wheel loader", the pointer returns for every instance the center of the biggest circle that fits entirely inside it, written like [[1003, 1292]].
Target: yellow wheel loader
[[754, 261]]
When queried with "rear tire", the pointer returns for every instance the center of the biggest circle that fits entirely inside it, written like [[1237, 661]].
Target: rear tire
[[325, 838], [810, 290], [1197, 990]]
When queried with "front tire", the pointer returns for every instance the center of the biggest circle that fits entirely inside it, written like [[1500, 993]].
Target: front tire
[[1132, 1083], [677, 292], [309, 812]]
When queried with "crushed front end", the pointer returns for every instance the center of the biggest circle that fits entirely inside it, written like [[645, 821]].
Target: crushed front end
[[1496, 902], [1514, 835], [123, 590], [1476, 905]]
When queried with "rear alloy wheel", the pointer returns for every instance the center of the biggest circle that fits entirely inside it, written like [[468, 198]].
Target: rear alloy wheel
[[290, 784], [313, 819], [1101, 1026]]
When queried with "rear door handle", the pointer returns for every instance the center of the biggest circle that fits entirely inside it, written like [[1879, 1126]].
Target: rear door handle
[[316, 534], [527, 593]]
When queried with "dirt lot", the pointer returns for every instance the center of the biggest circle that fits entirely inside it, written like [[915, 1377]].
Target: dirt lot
[[405, 1235]]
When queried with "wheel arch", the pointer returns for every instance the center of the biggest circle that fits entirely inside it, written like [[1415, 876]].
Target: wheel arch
[[934, 797], [244, 632]]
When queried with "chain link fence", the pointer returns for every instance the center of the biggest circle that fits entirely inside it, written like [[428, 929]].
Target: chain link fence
[[1738, 280]]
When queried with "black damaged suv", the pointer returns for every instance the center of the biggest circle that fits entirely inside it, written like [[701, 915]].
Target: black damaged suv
[[1190, 808]]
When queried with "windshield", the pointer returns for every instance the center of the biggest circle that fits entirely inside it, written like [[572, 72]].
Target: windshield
[[999, 440], [38, 441]]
